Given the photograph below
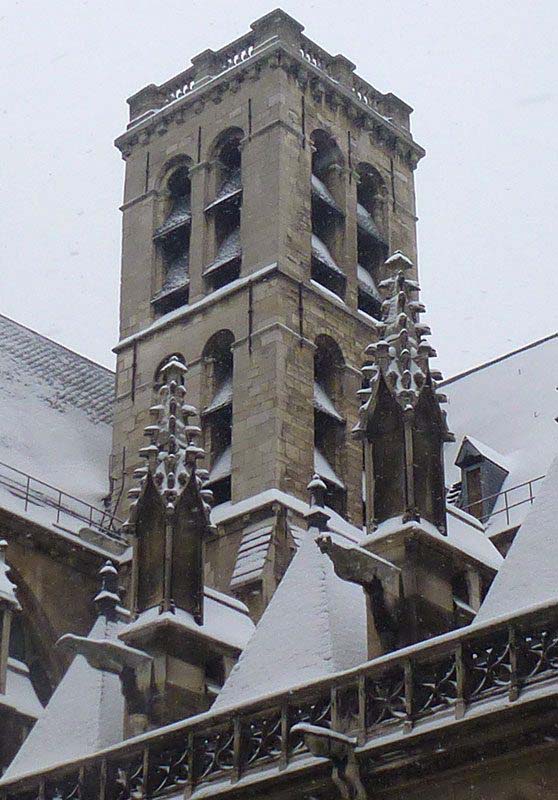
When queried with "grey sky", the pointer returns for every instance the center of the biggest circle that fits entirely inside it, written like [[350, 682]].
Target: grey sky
[[481, 76]]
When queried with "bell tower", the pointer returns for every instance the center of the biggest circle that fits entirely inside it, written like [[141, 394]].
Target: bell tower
[[266, 187]]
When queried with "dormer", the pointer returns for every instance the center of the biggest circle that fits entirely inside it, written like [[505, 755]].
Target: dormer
[[483, 472]]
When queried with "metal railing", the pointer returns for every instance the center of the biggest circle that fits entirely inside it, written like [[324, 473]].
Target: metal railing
[[526, 489], [435, 680], [64, 507]]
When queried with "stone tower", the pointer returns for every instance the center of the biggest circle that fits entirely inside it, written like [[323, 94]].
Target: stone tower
[[266, 187]]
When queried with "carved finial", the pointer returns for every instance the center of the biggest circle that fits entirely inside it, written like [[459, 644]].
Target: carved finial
[[316, 516], [108, 598], [173, 452], [317, 489], [401, 357]]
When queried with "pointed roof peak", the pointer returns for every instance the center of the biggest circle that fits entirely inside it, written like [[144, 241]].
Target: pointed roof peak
[[329, 633]]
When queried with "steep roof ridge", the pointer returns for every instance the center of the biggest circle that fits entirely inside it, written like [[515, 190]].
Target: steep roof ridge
[[498, 359], [57, 344], [65, 378], [527, 576], [69, 728]]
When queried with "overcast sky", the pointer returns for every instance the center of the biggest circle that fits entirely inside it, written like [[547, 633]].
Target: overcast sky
[[480, 75]]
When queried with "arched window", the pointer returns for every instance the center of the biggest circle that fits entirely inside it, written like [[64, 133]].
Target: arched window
[[224, 211], [329, 422], [172, 239], [371, 238], [217, 412], [328, 221]]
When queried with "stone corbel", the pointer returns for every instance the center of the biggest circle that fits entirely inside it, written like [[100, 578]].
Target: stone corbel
[[340, 750]]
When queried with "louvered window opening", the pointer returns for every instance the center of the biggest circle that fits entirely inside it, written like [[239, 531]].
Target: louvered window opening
[[172, 238], [372, 247], [226, 210]]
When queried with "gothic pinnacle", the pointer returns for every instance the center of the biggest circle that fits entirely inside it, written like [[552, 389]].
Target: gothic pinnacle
[[173, 452]]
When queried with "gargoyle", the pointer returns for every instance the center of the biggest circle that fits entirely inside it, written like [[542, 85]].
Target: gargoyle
[[340, 749]]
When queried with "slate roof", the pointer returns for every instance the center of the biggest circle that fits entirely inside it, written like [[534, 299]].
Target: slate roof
[[75, 381], [508, 405], [314, 626], [55, 413], [85, 714], [528, 575]]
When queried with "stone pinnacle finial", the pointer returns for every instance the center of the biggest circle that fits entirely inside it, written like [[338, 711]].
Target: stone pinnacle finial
[[172, 453], [316, 516], [108, 598]]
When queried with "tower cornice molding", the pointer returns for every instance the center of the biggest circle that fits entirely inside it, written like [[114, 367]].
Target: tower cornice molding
[[154, 108], [211, 299]]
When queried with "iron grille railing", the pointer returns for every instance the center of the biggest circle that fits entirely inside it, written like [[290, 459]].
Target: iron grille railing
[[63, 507], [526, 492], [439, 679]]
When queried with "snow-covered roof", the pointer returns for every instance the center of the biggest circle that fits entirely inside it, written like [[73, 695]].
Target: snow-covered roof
[[7, 587], [325, 470], [314, 626], [229, 250], [85, 714], [528, 575], [55, 413], [366, 223], [462, 537], [177, 277], [226, 620], [319, 189], [232, 186], [485, 451], [222, 467], [367, 284], [181, 214], [20, 694], [509, 405]]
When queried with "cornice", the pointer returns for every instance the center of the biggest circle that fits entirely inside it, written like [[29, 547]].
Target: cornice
[[310, 78]]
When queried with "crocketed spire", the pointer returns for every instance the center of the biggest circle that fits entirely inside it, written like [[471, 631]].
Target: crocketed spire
[[401, 355], [401, 416], [169, 515], [172, 453]]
